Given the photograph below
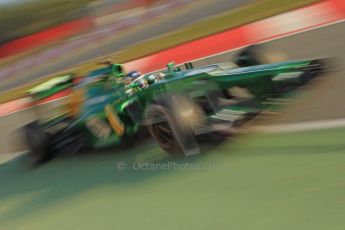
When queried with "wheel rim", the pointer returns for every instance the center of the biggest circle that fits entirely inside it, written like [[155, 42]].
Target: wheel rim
[[163, 132]]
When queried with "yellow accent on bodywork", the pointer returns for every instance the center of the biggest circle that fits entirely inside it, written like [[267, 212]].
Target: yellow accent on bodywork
[[75, 102], [49, 84], [114, 120]]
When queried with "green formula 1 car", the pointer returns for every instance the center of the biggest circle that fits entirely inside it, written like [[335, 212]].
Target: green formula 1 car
[[108, 107]]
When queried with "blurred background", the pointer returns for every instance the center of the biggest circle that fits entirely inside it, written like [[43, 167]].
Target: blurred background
[[51, 21], [36, 42]]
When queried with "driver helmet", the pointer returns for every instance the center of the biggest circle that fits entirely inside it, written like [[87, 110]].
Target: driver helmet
[[134, 74]]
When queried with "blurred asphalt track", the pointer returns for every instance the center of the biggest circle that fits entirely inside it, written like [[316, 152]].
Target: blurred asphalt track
[[175, 20]]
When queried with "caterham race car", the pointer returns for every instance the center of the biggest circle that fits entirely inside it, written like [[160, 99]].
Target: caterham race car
[[108, 107]]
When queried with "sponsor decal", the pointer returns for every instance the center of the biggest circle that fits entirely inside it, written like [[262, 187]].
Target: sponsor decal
[[98, 127]]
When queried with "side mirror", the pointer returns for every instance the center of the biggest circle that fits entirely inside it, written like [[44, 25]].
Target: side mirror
[[170, 66]]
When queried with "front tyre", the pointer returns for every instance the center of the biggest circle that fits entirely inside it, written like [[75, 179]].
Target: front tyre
[[170, 124], [38, 142], [259, 55]]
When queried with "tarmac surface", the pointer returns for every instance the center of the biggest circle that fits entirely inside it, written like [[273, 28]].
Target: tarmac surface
[[324, 98]]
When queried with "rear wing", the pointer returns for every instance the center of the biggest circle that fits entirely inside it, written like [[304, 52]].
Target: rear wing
[[51, 87]]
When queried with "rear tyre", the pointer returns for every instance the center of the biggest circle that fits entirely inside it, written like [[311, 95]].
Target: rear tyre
[[38, 143]]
